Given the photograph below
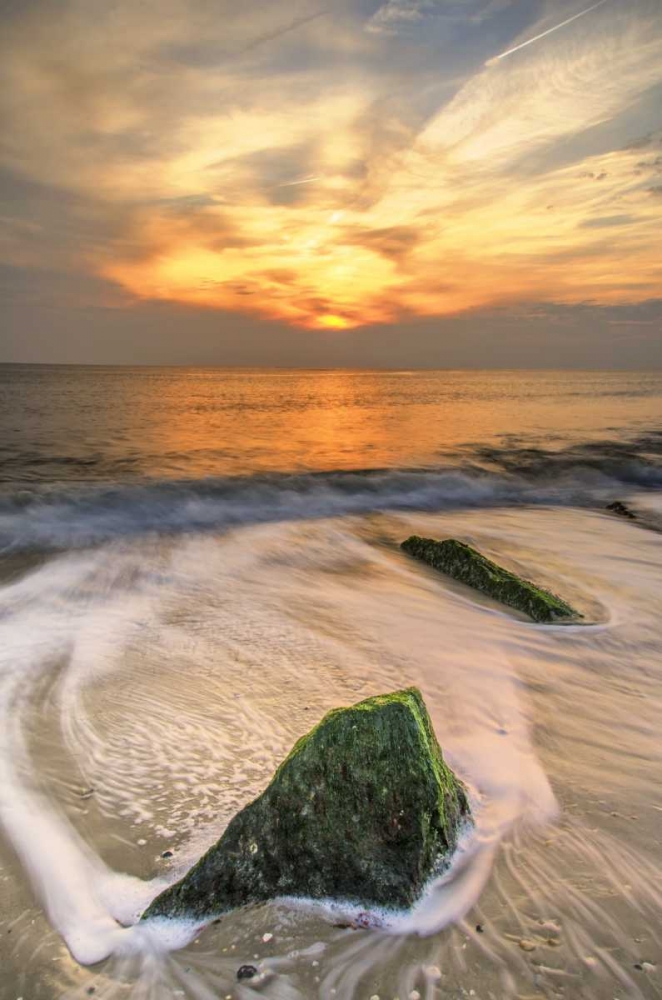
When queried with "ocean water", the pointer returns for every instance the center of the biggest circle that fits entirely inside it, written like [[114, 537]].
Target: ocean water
[[196, 564]]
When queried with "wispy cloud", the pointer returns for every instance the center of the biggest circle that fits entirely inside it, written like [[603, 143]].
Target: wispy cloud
[[394, 12], [315, 170]]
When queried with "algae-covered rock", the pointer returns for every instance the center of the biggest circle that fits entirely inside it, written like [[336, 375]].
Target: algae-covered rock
[[622, 509], [467, 565], [363, 809]]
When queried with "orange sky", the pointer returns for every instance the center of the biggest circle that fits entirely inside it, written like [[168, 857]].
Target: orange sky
[[333, 169]]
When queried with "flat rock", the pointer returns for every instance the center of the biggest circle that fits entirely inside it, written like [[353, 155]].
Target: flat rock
[[466, 564], [364, 810]]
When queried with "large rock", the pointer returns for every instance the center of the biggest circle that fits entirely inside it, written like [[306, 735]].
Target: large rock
[[467, 565], [364, 809]]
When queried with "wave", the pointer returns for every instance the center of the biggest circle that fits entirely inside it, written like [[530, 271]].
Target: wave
[[65, 517]]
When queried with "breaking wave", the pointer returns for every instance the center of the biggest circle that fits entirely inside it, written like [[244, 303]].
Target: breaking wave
[[64, 516]]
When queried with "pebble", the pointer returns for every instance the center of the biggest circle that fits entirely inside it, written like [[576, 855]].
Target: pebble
[[618, 507], [375, 996], [433, 973], [267, 938], [480, 929], [167, 854], [141, 842], [414, 995], [527, 945], [246, 972]]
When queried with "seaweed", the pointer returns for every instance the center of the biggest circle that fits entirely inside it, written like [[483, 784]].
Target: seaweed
[[466, 564], [363, 810]]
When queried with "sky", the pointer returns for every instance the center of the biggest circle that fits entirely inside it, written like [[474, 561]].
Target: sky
[[434, 183]]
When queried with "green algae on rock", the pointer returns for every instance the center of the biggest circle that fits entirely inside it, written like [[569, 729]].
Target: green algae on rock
[[364, 810], [466, 564]]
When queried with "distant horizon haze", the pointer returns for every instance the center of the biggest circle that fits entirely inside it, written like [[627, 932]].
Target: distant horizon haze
[[620, 338]]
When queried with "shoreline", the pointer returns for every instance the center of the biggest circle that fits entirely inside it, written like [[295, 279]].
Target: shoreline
[[548, 688]]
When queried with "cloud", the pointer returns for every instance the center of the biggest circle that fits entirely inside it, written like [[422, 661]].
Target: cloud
[[608, 221], [396, 14], [390, 16], [301, 168]]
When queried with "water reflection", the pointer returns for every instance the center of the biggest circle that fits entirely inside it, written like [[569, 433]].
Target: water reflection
[[101, 424]]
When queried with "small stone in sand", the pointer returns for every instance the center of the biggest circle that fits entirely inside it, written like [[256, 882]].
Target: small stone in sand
[[527, 945], [246, 972], [167, 854], [267, 938], [433, 973], [480, 929], [618, 507], [141, 842], [414, 995]]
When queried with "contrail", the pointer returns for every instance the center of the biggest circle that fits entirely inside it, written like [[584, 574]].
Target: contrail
[[304, 180], [545, 33], [284, 30]]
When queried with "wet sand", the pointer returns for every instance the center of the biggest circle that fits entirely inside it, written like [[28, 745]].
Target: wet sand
[[174, 674]]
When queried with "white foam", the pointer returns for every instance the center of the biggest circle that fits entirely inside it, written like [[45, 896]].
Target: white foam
[[179, 673]]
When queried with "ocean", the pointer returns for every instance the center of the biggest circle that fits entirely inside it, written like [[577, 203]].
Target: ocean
[[196, 564]]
